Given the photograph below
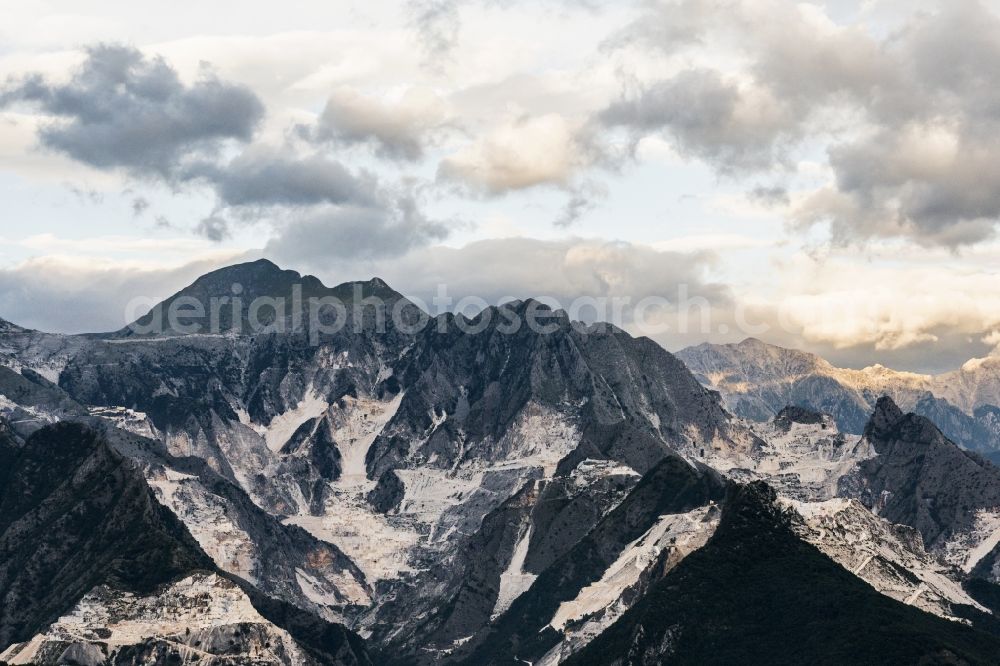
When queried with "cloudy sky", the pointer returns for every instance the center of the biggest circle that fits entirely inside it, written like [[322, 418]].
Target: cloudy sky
[[820, 174]]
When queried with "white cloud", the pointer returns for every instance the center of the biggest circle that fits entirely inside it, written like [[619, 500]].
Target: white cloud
[[907, 115], [106, 246], [74, 293], [711, 243], [399, 128], [519, 154], [844, 303]]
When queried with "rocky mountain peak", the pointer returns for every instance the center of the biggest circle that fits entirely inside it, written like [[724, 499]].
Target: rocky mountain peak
[[255, 278], [886, 415], [7, 327], [373, 288], [753, 507], [68, 493], [916, 462], [227, 298]]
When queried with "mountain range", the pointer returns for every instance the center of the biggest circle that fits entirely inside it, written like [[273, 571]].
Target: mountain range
[[757, 380], [412, 490]]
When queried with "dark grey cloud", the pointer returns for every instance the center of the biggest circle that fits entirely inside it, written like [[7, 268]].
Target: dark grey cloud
[[213, 228], [353, 232], [929, 168], [316, 206], [50, 295], [935, 188], [398, 131], [582, 200], [769, 195], [139, 206], [266, 177], [437, 25], [911, 118], [121, 109], [707, 117]]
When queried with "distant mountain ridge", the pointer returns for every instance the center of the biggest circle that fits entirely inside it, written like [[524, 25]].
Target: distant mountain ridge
[[757, 380]]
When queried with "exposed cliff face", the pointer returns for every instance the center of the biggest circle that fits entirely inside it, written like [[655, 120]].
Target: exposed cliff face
[[85, 544], [239, 536], [312, 433], [67, 494], [591, 584], [802, 455], [200, 619], [627, 399], [498, 563], [44, 353], [282, 560], [889, 557], [236, 395]]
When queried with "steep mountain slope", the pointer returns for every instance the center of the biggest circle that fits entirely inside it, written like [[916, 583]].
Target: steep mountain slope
[[29, 401], [282, 560], [491, 425], [757, 380], [499, 562], [667, 515], [889, 557], [242, 539], [67, 493], [237, 398], [83, 539], [920, 478], [402, 452], [420, 433], [975, 384], [631, 401], [45, 353], [756, 593], [199, 619]]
